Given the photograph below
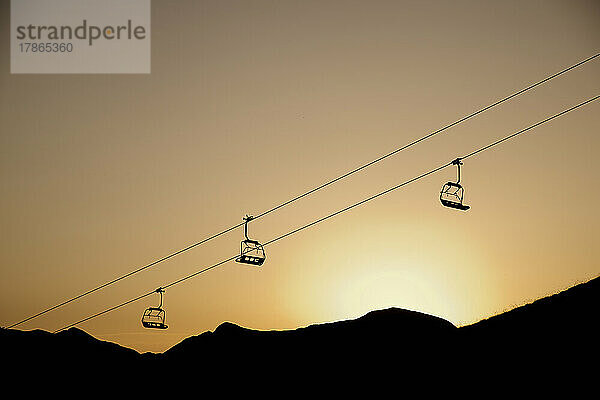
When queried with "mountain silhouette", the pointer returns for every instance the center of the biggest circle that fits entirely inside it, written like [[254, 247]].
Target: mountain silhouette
[[559, 329], [372, 336]]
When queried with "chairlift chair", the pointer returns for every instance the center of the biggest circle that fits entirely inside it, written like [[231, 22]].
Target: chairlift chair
[[154, 317], [452, 193], [251, 251]]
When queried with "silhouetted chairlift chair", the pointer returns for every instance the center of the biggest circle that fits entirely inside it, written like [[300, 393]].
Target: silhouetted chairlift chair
[[154, 317], [452, 193], [251, 251]]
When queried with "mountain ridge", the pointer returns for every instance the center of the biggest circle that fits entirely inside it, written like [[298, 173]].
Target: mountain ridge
[[558, 326]]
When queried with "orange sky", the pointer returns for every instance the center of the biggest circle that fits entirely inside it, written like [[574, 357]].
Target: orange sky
[[250, 103]]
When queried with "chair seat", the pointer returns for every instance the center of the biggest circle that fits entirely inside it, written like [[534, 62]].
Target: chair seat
[[456, 205], [154, 325], [252, 260]]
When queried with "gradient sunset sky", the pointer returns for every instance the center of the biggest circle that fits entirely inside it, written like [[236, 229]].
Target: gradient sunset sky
[[250, 103]]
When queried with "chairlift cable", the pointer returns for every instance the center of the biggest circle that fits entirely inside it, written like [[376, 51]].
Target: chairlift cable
[[463, 119], [529, 127], [124, 276], [423, 175], [214, 236], [106, 311]]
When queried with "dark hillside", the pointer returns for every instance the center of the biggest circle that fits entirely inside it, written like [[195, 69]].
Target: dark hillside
[[561, 327], [555, 331], [72, 345], [377, 335]]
